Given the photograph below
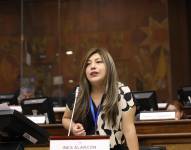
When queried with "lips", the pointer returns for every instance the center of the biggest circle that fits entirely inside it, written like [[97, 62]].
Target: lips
[[94, 73]]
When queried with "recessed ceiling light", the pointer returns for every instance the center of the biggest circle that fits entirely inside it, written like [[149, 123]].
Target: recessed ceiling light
[[69, 52], [70, 81]]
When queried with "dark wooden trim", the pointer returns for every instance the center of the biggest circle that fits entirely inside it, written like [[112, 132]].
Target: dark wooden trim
[[179, 45]]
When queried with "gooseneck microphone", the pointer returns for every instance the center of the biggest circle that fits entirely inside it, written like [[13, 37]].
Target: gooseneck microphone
[[71, 120]]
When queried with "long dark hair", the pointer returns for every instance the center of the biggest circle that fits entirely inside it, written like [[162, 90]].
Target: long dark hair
[[110, 103]]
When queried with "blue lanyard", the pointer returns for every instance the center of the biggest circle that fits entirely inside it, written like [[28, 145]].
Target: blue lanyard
[[94, 114]]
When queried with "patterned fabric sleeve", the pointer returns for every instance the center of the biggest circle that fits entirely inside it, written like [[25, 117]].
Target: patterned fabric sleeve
[[126, 98]]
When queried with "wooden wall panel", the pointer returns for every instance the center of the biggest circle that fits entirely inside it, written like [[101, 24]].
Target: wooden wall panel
[[9, 45], [135, 32], [179, 43]]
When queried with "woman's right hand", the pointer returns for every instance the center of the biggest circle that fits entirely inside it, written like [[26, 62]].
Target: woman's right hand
[[78, 129]]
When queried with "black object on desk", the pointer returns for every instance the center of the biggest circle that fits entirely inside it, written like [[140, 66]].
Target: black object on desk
[[17, 130], [39, 106], [145, 100]]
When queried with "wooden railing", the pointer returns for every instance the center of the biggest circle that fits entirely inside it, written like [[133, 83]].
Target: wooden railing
[[165, 132]]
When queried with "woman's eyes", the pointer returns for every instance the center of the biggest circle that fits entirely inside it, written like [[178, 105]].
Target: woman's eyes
[[99, 61]]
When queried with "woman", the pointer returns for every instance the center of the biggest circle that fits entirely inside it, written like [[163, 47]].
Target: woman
[[176, 105], [103, 106]]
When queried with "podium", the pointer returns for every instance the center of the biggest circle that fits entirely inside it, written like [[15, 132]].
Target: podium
[[16, 131], [79, 142]]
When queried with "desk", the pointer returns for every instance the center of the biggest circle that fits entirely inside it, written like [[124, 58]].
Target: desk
[[59, 111], [174, 134], [187, 111]]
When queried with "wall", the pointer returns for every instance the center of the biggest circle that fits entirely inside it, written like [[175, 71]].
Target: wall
[[135, 32]]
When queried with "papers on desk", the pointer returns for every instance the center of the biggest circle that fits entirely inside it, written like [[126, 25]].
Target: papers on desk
[[40, 119], [17, 108], [55, 109], [4, 106], [157, 115]]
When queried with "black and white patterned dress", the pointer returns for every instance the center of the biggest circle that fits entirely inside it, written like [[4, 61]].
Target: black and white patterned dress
[[125, 104], [117, 138]]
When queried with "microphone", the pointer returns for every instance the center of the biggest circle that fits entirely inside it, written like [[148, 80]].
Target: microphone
[[76, 95]]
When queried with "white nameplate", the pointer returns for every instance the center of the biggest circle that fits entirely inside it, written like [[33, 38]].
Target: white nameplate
[[157, 115], [80, 144], [40, 119]]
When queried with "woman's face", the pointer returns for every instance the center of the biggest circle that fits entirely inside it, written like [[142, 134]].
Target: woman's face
[[95, 69], [178, 114]]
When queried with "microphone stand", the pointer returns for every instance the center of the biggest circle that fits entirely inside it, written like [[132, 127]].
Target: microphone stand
[[76, 95]]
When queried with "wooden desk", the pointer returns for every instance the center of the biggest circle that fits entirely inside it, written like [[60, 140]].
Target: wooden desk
[[55, 129], [175, 135], [187, 111], [164, 132]]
